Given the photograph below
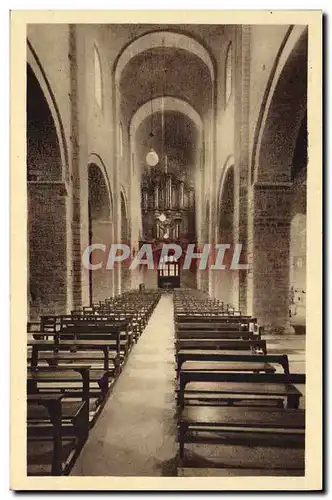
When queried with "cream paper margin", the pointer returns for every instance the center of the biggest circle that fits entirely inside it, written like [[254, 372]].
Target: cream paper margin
[[18, 477]]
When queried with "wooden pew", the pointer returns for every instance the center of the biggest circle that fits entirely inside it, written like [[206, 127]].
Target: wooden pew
[[221, 345], [134, 306], [116, 344], [286, 425], [241, 384], [65, 419], [261, 426], [99, 328], [216, 351], [215, 334], [184, 356], [81, 351], [52, 403], [192, 317], [219, 361], [59, 393]]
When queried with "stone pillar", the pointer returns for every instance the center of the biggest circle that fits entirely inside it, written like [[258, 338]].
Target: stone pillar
[[250, 247], [102, 279], [135, 213], [241, 153], [79, 173], [271, 253], [117, 192], [77, 245], [199, 211], [213, 218]]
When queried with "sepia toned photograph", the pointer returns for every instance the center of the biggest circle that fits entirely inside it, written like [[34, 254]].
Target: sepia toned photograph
[[164, 218]]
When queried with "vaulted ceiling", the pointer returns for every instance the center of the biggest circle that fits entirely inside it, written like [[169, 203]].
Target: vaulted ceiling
[[177, 139], [165, 71]]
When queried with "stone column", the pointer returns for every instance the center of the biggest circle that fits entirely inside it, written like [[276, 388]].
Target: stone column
[[199, 205], [79, 221], [241, 153], [271, 253], [117, 191], [102, 279], [135, 212]]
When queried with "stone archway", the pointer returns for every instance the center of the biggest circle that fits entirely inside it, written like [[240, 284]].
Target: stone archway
[[36, 67], [163, 39], [101, 281], [48, 285], [273, 189]]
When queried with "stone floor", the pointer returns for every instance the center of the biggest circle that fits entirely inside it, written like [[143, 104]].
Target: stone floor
[[136, 432], [292, 345]]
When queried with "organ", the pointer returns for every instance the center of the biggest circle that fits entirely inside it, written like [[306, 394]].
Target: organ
[[168, 207], [168, 216]]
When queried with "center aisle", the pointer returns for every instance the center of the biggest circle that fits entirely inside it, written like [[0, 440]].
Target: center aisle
[[136, 432]]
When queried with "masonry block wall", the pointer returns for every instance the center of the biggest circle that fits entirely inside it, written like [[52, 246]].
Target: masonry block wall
[[298, 253], [47, 270]]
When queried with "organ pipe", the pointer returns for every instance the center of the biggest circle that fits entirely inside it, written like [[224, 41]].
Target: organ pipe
[[181, 194], [169, 192], [156, 197]]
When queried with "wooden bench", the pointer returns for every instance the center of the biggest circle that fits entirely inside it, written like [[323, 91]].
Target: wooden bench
[[221, 345], [51, 414], [61, 375], [207, 356], [118, 348], [125, 322], [228, 366], [237, 386], [215, 334], [97, 329], [75, 347], [220, 321], [70, 353], [52, 402], [57, 357], [284, 423], [203, 315]]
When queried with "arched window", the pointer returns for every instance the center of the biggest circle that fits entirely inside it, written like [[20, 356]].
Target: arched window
[[228, 74], [98, 79]]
